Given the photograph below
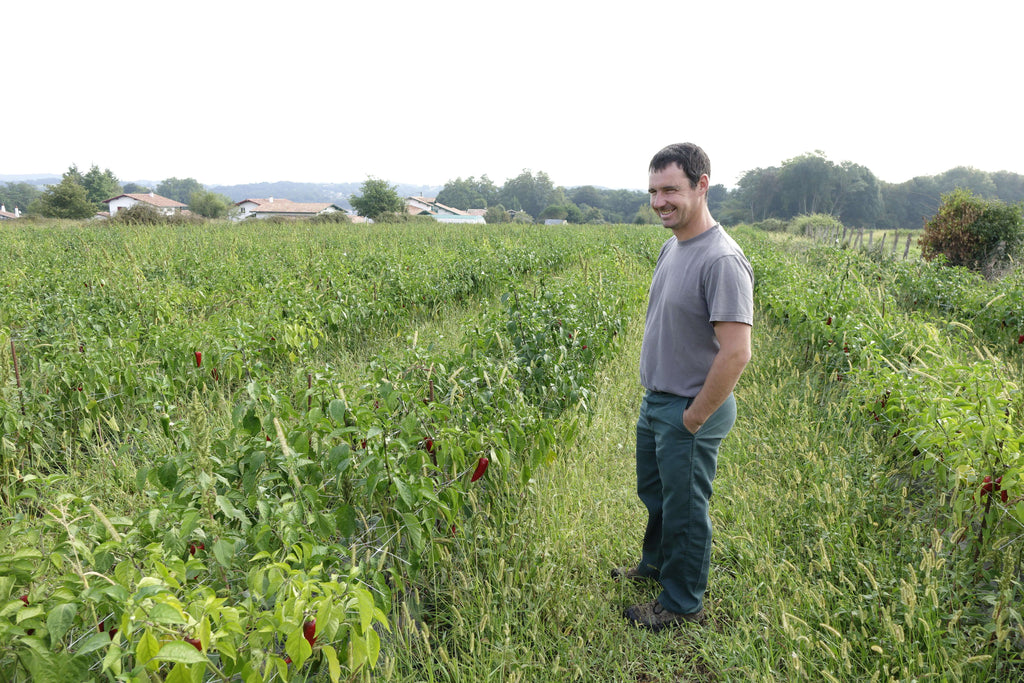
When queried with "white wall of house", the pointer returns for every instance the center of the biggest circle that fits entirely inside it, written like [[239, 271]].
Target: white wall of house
[[127, 202], [121, 203]]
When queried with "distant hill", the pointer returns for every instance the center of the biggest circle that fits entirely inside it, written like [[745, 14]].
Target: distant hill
[[39, 180], [339, 193]]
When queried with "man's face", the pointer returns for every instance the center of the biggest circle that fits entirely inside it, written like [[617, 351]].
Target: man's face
[[672, 198]]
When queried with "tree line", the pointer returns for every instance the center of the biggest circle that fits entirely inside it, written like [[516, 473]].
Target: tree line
[[811, 183], [807, 184], [83, 195]]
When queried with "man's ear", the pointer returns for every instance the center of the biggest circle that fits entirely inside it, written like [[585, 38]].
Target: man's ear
[[704, 184]]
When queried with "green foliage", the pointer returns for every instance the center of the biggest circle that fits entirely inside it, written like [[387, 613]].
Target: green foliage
[[209, 204], [772, 225], [18, 195], [945, 410], [67, 199], [554, 212], [135, 188], [100, 186], [973, 232], [179, 189], [311, 498], [139, 213], [815, 225], [330, 217], [496, 214], [645, 215], [378, 199], [528, 191], [469, 193]]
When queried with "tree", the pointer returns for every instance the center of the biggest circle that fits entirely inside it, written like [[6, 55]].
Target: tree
[[589, 195], [973, 232], [859, 195], [18, 195], [180, 190], [135, 188], [468, 194], [496, 214], [377, 199], [209, 204], [532, 193], [67, 199], [100, 186]]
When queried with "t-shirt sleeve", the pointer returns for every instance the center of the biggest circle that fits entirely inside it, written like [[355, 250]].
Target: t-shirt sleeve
[[729, 289]]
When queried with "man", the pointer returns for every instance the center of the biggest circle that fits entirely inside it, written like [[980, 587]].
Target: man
[[696, 344]]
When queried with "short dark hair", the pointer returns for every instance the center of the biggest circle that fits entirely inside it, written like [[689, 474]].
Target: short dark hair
[[688, 156]]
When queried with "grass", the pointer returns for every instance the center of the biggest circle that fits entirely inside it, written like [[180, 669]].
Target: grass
[[826, 565]]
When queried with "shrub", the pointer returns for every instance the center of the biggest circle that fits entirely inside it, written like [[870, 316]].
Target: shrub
[[139, 214], [973, 232], [331, 217], [772, 225], [815, 225]]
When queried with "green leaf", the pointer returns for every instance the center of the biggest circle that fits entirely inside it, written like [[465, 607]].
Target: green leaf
[[168, 474], [224, 552], [404, 492], [333, 667], [97, 641], [181, 652], [345, 520], [337, 410], [297, 647], [59, 620], [230, 510], [162, 613], [146, 649]]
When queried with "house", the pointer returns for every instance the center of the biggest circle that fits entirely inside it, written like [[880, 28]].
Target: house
[[6, 215], [167, 207], [429, 206], [283, 208]]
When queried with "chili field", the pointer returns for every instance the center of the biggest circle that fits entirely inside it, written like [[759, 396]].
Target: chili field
[[284, 451]]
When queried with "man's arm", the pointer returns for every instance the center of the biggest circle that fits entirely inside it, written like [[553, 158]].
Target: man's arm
[[733, 356]]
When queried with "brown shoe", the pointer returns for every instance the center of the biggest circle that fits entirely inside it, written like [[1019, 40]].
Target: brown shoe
[[631, 573], [651, 615]]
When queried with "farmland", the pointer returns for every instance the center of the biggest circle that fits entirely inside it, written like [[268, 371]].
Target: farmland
[[291, 452]]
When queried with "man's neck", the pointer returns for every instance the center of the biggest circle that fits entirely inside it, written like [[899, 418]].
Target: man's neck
[[702, 224]]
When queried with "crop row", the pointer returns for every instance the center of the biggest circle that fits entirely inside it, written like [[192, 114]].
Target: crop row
[[936, 397], [274, 542]]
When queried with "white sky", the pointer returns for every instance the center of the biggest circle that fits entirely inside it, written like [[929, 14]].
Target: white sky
[[231, 92]]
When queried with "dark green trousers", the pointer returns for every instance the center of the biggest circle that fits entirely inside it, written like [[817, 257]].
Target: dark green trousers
[[674, 471]]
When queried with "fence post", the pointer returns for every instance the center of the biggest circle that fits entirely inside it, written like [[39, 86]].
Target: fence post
[[906, 250]]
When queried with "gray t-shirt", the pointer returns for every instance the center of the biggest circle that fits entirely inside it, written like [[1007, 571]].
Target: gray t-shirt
[[697, 282]]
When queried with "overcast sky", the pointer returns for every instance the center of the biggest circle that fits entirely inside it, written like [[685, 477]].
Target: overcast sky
[[233, 92]]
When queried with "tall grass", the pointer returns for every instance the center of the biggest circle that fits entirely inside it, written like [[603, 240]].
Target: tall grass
[[825, 566]]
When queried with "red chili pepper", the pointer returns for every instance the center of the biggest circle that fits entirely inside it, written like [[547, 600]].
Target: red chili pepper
[[1020, 339], [199, 358], [481, 467], [195, 642], [309, 631]]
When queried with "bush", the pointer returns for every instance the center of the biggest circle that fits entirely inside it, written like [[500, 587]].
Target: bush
[[772, 225], [973, 232], [139, 214], [815, 225], [330, 218]]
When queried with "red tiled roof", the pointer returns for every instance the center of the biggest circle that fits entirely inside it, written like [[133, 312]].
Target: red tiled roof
[[152, 199], [285, 206]]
